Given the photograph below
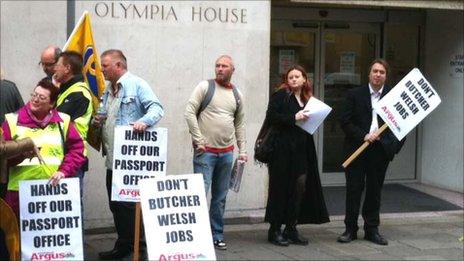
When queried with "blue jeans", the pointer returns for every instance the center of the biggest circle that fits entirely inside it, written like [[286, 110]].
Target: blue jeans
[[216, 168]]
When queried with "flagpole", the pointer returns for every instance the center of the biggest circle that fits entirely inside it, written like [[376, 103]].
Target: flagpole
[[75, 29]]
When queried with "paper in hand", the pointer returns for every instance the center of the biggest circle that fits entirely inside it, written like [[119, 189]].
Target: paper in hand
[[317, 112], [236, 175]]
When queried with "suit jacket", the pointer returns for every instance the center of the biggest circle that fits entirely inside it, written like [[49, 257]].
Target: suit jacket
[[356, 119]]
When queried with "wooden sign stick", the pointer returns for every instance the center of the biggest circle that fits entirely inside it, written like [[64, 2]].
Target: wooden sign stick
[[363, 147], [137, 231]]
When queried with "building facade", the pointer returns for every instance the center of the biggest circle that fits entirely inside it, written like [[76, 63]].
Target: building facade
[[173, 44]]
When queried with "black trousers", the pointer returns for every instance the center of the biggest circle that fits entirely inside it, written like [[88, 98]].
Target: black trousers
[[367, 171], [124, 219], [4, 255]]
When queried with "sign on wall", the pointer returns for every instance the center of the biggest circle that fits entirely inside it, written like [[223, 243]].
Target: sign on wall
[[136, 156], [408, 103], [457, 66], [175, 217], [50, 220]]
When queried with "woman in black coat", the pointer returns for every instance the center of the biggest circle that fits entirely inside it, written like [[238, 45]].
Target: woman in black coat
[[295, 192]]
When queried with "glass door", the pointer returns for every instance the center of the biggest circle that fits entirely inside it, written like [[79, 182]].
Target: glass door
[[347, 49], [291, 44], [336, 56]]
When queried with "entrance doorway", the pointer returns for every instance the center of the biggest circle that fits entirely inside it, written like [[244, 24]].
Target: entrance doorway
[[336, 56]]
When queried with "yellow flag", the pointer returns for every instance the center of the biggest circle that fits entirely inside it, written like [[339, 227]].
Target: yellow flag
[[81, 41]]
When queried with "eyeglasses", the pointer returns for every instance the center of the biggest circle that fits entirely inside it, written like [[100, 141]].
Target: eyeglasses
[[38, 96], [47, 64]]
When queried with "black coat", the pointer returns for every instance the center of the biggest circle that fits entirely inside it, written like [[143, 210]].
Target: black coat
[[356, 119], [294, 155], [10, 98]]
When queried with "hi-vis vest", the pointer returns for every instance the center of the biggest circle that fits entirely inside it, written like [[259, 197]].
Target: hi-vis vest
[[51, 149], [81, 123]]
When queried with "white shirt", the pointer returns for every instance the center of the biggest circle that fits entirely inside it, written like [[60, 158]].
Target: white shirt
[[375, 97]]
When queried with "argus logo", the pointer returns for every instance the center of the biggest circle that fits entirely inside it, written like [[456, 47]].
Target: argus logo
[[181, 256], [391, 117], [130, 192], [51, 256], [89, 69]]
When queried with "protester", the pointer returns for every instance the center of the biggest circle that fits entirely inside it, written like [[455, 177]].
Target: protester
[[9, 149], [359, 122], [10, 98], [54, 134], [48, 59], [10, 101], [74, 99], [214, 129], [128, 100], [295, 192]]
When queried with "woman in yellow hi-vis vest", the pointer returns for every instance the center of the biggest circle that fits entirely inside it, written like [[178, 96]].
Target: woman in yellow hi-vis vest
[[59, 143], [9, 233]]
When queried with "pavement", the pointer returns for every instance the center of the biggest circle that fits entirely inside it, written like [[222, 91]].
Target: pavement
[[411, 236]]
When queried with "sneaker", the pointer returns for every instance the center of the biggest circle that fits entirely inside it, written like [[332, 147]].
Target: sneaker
[[219, 244]]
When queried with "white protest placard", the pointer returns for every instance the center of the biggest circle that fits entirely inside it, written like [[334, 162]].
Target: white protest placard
[[50, 220], [137, 155], [176, 219], [317, 112], [408, 103]]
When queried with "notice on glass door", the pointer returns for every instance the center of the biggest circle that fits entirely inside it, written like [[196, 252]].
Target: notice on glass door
[[286, 60], [347, 62]]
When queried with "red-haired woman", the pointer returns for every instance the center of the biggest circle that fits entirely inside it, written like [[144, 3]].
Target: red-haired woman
[[295, 192], [61, 146]]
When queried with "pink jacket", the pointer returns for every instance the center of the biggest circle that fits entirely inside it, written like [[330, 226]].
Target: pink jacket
[[73, 159]]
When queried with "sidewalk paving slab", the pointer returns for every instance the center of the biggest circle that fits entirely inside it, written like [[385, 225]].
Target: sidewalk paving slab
[[425, 236]]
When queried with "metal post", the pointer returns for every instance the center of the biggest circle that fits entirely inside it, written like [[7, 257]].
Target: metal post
[[71, 16]]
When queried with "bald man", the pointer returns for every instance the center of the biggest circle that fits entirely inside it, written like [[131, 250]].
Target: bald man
[[48, 59], [215, 128]]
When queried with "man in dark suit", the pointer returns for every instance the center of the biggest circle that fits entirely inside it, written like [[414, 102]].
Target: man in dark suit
[[359, 122]]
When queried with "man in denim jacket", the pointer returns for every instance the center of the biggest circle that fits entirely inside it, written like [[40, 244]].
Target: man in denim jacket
[[128, 100]]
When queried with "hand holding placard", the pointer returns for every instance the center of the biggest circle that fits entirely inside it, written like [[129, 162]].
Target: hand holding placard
[[404, 107]]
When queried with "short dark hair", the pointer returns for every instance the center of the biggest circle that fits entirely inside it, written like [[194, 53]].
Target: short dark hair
[[115, 53], [74, 60], [382, 62], [46, 83]]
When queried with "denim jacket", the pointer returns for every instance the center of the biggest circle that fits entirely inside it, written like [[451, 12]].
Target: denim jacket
[[138, 102]]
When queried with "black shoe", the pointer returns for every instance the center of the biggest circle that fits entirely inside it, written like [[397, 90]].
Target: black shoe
[[276, 238], [293, 237], [347, 236], [220, 244], [376, 238], [113, 254]]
